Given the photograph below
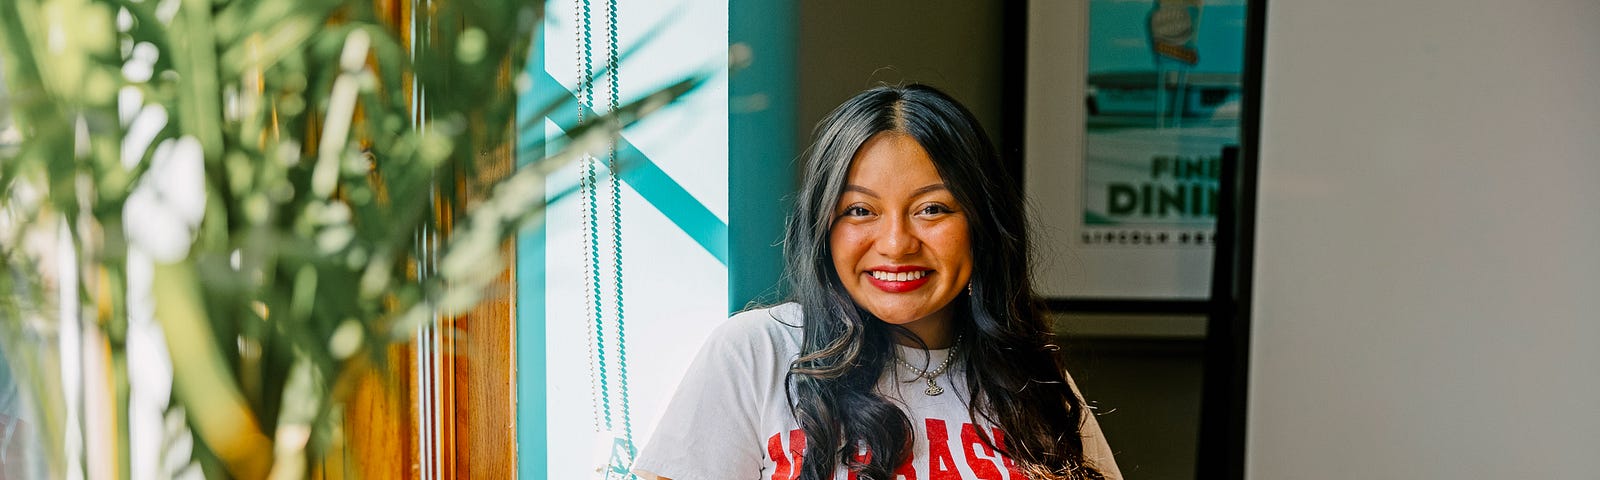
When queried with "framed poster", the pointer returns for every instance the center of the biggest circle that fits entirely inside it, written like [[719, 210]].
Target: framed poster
[[1129, 105]]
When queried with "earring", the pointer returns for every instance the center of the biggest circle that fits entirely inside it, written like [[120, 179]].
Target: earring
[[969, 289]]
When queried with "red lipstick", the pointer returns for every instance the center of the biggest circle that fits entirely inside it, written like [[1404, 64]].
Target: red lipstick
[[894, 286]]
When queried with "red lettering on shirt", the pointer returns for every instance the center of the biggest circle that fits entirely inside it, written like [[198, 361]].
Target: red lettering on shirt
[[789, 462], [862, 456], [797, 449], [1011, 467], [941, 465], [984, 468], [775, 451], [907, 470]]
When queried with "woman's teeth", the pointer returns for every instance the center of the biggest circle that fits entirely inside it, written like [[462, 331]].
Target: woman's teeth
[[898, 277]]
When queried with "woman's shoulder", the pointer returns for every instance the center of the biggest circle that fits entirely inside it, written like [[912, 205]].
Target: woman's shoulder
[[781, 320], [777, 326]]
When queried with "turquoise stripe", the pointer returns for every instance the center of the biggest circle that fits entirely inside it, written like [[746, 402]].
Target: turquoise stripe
[[532, 425], [656, 186]]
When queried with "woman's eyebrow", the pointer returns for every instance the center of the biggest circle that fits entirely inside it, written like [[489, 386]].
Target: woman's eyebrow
[[860, 189], [924, 190], [927, 189]]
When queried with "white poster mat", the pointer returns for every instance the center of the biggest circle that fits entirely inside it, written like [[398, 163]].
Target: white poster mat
[[1055, 140]]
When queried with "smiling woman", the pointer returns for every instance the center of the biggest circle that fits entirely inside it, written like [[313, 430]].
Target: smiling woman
[[900, 239], [907, 261]]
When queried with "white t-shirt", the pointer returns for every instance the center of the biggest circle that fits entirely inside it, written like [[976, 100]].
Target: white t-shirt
[[730, 418]]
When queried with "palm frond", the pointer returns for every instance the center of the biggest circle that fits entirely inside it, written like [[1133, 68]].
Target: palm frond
[[319, 142]]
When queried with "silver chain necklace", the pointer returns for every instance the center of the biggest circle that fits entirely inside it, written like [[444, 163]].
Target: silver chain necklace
[[933, 387]]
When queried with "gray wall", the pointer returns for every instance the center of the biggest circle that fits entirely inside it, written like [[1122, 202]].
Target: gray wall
[[846, 46], [1427, 300]]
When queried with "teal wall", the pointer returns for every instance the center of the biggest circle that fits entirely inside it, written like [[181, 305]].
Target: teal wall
[[761, 147]]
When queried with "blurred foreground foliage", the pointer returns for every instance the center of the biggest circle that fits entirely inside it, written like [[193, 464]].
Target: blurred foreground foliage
[[275, 169]]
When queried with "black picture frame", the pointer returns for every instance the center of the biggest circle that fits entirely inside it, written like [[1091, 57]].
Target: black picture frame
[[1225, 388]]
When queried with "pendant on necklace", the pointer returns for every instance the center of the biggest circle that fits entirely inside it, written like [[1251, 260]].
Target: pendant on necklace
[[933, 389]]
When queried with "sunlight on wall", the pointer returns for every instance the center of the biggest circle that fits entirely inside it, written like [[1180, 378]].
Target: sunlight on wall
[[674, 204]]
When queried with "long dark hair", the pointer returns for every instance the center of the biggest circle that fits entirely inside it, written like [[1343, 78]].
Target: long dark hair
[[1017, 381]]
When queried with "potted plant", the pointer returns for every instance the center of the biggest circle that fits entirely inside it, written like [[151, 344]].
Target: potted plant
[[253, 181]]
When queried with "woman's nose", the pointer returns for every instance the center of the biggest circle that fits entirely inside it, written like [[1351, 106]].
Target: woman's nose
[[895, 238]]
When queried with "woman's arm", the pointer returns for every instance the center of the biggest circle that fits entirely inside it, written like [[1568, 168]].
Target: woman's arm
[[1096, 450], [710, 427]]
